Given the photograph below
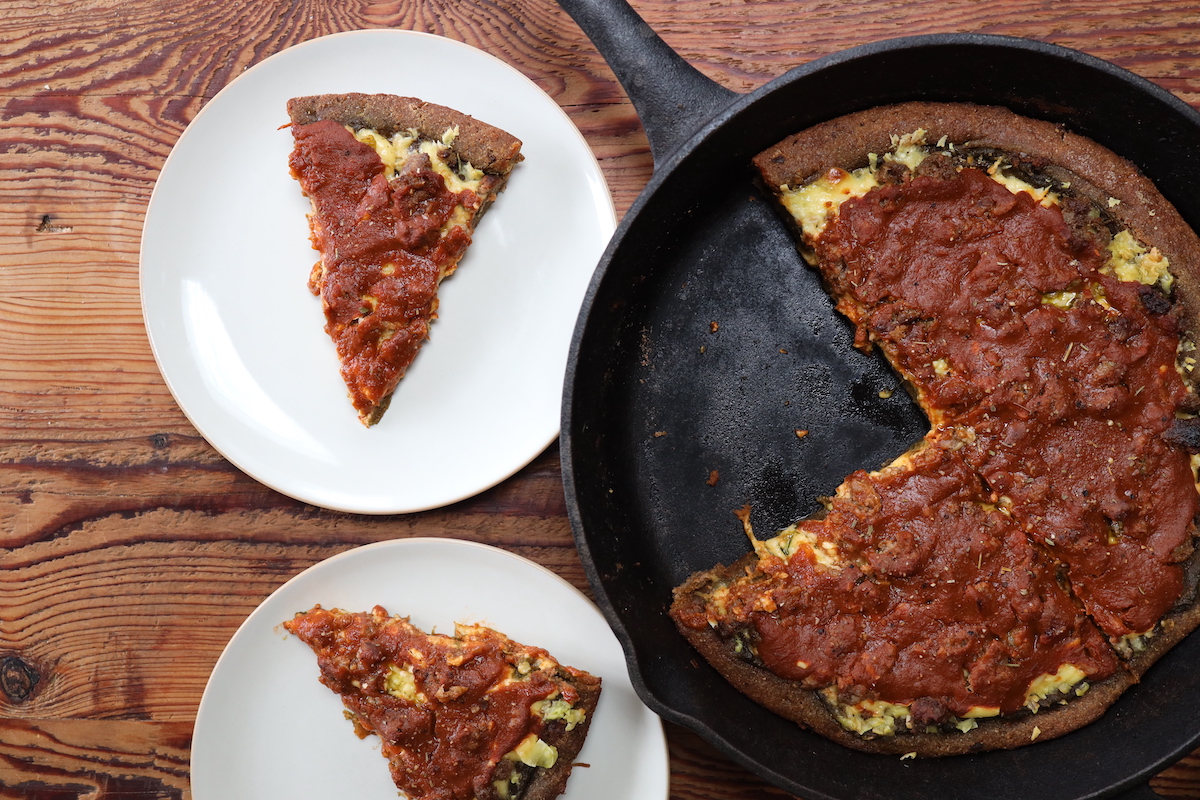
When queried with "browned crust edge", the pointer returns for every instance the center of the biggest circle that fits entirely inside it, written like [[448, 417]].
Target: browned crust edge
[[808, 710], [1096, 173], [550, 783], [487, 147]]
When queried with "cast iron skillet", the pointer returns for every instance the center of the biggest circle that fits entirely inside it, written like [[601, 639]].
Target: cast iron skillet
[[704, 344]]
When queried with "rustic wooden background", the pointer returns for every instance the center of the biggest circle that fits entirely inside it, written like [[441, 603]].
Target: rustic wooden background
[[129, 550]]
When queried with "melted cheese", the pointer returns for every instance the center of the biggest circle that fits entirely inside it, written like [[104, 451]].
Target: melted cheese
[[813, 204], [1133, 643], [533, 752], [1062, 299], [879, 718], [1130, 260], [559, 709], [392, 152], [791, 539], [908, 149], [1016, 185], [1063, 681], [402, 684], [395, 151], [868, 717]]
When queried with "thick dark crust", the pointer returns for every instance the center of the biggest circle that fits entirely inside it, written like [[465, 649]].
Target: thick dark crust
[[1095, 173], [487, 147], [376, 413], [807, 709], [550, 783]]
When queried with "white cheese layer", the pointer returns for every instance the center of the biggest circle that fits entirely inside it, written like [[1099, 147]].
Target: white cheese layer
[[395, 152], [880, 718]]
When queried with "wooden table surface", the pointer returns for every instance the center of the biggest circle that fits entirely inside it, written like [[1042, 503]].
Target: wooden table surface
[[130, 550]]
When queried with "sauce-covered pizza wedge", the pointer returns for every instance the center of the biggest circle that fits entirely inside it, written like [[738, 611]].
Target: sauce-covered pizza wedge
[[473, 716], [397, 186]]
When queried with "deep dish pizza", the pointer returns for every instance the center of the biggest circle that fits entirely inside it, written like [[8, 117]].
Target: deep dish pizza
[[473, 716], [1024, 563], [397, 186]]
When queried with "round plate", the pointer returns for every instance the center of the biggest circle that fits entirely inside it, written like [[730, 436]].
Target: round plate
[[240, 340], [264, 705]]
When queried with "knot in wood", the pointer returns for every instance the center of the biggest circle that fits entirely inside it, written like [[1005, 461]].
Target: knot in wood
[[18, 678], [47, 226]]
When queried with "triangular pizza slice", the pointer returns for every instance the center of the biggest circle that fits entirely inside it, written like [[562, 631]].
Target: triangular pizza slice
[[397, 186], [473, 716]]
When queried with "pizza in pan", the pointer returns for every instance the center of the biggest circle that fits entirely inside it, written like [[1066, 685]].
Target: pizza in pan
[[474, 716], [397, 186], [1023, 564]]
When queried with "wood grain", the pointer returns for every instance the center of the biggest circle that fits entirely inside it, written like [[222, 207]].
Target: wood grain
[[97, 760], [130, 550]]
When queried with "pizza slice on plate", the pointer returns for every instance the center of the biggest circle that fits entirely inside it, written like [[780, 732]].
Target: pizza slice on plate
[[473, 716], [397, 186]]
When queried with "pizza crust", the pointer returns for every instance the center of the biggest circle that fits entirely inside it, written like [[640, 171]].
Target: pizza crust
[[807, 709], [1093, 172], [487, 147], [550, 783]]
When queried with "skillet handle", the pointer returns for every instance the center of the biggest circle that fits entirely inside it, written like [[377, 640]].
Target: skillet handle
[[672, 98]]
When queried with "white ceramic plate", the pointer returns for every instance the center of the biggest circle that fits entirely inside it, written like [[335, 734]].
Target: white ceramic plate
[[240, 340], [268, 730]]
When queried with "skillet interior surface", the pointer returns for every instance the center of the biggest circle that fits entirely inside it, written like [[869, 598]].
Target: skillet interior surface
[[704, 345]]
